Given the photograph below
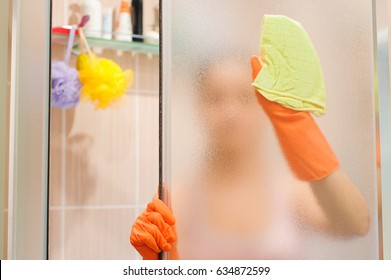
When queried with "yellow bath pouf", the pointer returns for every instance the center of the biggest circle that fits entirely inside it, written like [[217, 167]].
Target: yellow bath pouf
[[291, 72], [104, 82]]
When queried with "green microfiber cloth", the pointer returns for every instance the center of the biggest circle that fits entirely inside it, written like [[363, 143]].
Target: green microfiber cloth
[[291, 73]]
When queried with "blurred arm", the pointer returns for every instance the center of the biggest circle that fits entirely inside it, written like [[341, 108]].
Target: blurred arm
[[334, 205]]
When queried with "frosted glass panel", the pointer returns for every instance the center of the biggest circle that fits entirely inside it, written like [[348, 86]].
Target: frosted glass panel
[[230, 187]]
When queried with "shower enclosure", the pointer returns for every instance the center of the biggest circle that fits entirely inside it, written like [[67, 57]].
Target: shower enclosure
[[75, 177], [72, 182], [203, 127]]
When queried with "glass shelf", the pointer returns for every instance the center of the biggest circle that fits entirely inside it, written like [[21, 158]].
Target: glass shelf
[[140, 47]]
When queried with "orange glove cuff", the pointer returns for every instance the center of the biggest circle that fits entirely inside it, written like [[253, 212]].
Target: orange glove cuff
[[305, 148]]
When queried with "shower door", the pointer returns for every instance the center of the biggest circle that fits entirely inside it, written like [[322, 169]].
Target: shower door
[[72, 181], [203, 42], [103, 162], [25, 124]]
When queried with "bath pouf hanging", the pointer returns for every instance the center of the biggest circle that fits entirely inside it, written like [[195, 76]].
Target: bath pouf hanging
[[103, 80], [65, 85], [65, 80]]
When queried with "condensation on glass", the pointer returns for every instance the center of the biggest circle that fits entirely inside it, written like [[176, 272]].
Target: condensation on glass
[[229, 184]]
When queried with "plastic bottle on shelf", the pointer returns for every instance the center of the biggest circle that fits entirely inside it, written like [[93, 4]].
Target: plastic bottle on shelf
[[151, 23], [124, 30], [93, 8], [107, 23], [137, 14]]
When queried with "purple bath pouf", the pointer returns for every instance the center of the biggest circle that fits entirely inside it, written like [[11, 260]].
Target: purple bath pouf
[[65, 85]]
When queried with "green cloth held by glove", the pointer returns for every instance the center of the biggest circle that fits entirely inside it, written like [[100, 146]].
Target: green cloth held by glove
[[291, 73]]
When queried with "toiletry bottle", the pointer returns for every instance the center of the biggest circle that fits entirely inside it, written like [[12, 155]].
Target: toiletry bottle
[[137, 16], [93, 8], [151, 22], [124, 30], [107, 23]]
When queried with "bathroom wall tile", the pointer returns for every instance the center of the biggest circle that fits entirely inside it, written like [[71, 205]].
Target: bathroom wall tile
[[58, 51], [149, 72], [60, 125], [109, 3], [150, 15], [6, 191], [5, 234], [72, 11], [126, 60], [101, 155], [58, 13], [149, 147], [55, 162], [55, 234], [98, 234]]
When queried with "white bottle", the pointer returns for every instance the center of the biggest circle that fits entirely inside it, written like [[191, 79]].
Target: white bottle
[[124, 29], [107, 23], [93, 8]]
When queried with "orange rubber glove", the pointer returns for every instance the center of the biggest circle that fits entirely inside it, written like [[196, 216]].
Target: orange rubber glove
[[306, 149], [153, 230]]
